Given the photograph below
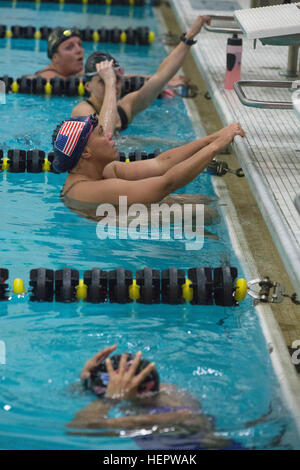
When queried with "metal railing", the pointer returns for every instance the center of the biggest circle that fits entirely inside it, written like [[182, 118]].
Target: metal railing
[[255, 103], [221, 29]]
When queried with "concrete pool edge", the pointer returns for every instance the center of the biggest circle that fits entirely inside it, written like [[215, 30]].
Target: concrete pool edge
[[285, 371]]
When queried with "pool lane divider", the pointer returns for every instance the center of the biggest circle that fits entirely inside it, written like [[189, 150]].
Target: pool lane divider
[[130, 3], [202, 286], [141, 36], [36, 161], [57, 86]]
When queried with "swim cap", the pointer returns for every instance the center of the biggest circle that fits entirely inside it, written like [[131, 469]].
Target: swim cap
[[59, 35], [69, 139], [95, 58], [99, 378]]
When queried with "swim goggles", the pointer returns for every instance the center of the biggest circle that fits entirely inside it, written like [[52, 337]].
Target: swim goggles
[[118, 70]]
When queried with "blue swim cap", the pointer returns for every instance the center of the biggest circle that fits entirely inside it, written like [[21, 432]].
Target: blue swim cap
[[69, 139]]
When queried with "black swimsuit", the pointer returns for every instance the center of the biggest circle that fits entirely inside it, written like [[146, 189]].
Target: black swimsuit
[[46, 69], [51, 69], [123, 117], [122, 114]]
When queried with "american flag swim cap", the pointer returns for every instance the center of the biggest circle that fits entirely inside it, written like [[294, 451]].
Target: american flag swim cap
[[69, 140]]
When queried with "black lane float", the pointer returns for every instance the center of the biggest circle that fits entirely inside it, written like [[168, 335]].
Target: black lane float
[[57, 86], [36, 161], [141, 36], [201, 286], [137, 3]]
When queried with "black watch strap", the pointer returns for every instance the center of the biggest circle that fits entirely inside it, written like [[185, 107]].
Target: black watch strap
[[188, 42]]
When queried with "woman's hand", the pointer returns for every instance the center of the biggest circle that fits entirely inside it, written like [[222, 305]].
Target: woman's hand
[[229, 132], [225, 136], [123, 383], [197, 26], [91, 364], [106, 71]]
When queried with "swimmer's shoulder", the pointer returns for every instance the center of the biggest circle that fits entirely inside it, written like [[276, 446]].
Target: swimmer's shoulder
[[82, 189], [70, 188], [170, 395], [82, 109], [47, 73]]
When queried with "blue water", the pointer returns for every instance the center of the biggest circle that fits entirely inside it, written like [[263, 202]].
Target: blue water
[[218, 354]]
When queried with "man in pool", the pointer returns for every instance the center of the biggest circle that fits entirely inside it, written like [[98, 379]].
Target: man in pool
[[84, 149], [153, 407], [66, 54], [133, 103]]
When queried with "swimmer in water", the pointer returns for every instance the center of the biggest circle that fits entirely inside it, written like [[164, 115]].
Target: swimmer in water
[[135, 102], [133, 383], [88, 153], [67, 54]]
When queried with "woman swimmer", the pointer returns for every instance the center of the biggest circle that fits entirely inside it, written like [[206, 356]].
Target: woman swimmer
[[89, 155], [148, 405], [133, 103], [66, 53]]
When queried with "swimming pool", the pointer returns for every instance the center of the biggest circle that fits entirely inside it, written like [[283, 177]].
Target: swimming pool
[[218, 354]]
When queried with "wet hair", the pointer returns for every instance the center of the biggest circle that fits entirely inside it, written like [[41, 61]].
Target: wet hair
[[99, 378]]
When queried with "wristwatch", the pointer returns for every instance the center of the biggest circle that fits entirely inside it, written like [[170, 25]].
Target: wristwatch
[[188, 42]]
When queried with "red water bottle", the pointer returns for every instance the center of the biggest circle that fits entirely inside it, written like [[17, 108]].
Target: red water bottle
[[233, 61]]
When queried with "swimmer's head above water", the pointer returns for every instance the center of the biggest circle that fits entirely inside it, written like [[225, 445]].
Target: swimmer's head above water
[[69, 140], [99, 377], [95, 58], [58, 36], [124, 376], [77, 136], [94, 84]]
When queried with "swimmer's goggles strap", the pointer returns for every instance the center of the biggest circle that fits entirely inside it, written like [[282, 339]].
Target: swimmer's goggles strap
[[118, 70], [93, 120]]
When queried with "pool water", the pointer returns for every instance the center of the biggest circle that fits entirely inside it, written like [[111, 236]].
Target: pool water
[[218, 354]]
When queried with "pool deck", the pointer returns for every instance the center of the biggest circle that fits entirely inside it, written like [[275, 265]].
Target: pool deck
[[270, 157], [270, 153]]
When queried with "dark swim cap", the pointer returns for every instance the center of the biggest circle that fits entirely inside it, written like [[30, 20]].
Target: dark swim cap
[[95, 58], [99, 378], [59, 35], [69, 139]]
